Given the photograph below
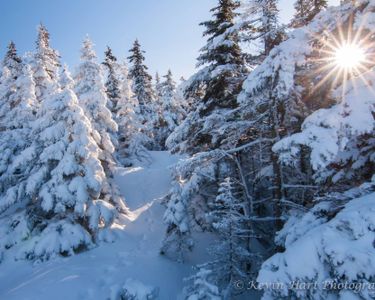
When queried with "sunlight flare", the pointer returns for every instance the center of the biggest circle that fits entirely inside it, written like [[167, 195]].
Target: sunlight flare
[[345, 55], [349, 56]]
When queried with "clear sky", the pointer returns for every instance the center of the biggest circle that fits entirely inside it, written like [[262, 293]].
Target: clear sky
[[167, 29]]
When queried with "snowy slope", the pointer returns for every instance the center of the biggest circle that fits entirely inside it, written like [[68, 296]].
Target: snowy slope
[[133, 257]]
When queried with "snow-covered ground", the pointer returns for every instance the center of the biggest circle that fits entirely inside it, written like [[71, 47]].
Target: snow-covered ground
[[133, 258]]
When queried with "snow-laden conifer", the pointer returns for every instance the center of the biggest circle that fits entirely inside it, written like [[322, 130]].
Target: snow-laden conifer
[[306, 10], [202, 286], [112, 83], [90, 90], [45, 63], [12, 60], [16, 121], [260, 21], [132, 138], [63, 207], [141, 80], [170, 109]]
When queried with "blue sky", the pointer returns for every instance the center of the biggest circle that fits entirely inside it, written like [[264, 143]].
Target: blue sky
[[167, 29]]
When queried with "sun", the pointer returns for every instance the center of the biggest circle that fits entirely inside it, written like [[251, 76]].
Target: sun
[[342, 57], [349, 56]]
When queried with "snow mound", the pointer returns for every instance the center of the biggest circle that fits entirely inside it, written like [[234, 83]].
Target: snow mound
[[338, 256], [134, 289]]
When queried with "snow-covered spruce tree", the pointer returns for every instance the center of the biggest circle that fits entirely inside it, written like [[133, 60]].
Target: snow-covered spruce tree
[[275, 105], [341, 147], [170, 92], [201, 286], [112, 83], [170, 111], [301, 13], [132, 139], [341, 139], [260, 23], [231, 254], [144, 92], [186, 206], [339, 229], [66, 212], [90, 90], [334, 246], [23, 95], [196, 179], [306, 10], [223, 55], [11, 59], [187, 104], [17, 115], [158, 86], [44, 64], [6, 90], [142, 81], [317, 6], [272, 106], [216, 85], [11, 68]]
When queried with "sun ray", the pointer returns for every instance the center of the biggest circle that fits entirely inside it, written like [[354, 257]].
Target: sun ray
[[326, 78], [344, 56]]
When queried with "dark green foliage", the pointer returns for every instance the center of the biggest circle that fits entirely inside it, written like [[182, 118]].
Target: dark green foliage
[[306, 10], [222, 54], [112, 83], [11, 60], [142, 85]]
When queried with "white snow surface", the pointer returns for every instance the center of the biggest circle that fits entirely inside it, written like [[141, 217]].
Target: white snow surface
[[105, 271]]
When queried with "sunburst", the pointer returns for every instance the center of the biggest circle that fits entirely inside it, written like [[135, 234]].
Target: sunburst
[[349, 57], [346, 54]]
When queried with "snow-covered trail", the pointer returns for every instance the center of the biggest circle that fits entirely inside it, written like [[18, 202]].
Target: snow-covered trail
[[99, 273]]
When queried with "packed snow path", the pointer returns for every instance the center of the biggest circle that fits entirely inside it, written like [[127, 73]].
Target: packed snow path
[[101, 272]]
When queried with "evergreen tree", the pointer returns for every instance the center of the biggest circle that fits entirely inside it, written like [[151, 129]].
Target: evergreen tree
[[142, 85], [90, 90], [347, 159], [275, 105], [158, 124], [169, 86], [260, 21], [12, 68], [223, 56], [301, 14], [92, 97], [215, 88], [201, 286], [306, 10], [317, 6], [112, 82], [7, 89], [11, 60], [344, 166], [45, 64], [170, 111], [231, 253], [158, 86], [132, 140], [65, 181], [238, 143], [272, 34], [17, 115]]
